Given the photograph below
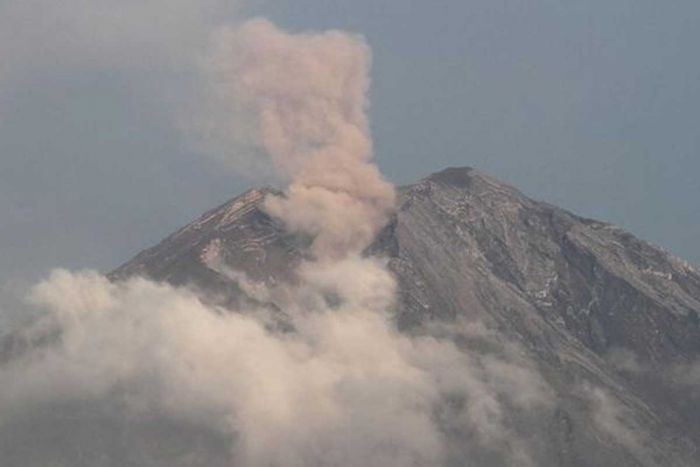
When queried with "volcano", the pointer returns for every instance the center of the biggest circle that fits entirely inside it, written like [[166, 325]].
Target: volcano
[[610, 322]]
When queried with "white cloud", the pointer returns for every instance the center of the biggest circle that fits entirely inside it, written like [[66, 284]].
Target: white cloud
[[343, 388]]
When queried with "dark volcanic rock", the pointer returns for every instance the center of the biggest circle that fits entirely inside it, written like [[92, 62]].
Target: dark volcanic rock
[[571, 294]]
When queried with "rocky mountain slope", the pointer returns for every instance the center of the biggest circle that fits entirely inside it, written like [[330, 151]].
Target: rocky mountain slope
[[609, 323]]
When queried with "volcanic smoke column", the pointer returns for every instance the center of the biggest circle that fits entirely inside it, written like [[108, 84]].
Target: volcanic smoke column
[[307, 97]]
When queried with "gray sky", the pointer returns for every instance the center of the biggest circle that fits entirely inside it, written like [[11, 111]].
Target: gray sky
[[593, 106]]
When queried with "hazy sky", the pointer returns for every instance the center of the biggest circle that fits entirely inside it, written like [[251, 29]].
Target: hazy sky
[[593, 106]]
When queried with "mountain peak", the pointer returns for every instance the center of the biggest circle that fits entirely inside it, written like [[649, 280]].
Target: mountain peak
[[458, 176], [470, 180], [467, 248]]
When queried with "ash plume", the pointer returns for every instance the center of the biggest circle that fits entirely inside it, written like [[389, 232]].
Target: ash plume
[[178, 382], [306, 97]]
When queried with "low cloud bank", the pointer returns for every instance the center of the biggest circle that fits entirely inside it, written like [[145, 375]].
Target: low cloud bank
[[342, 388]]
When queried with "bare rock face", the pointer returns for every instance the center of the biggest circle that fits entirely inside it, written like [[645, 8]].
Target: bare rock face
[[235, 237], [607, 321]]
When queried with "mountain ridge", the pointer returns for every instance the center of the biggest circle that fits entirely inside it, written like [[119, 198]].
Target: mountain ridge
[[574, 295]]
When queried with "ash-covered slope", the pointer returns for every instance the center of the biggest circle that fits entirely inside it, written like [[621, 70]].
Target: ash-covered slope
[[605, 319], [463, 242]]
